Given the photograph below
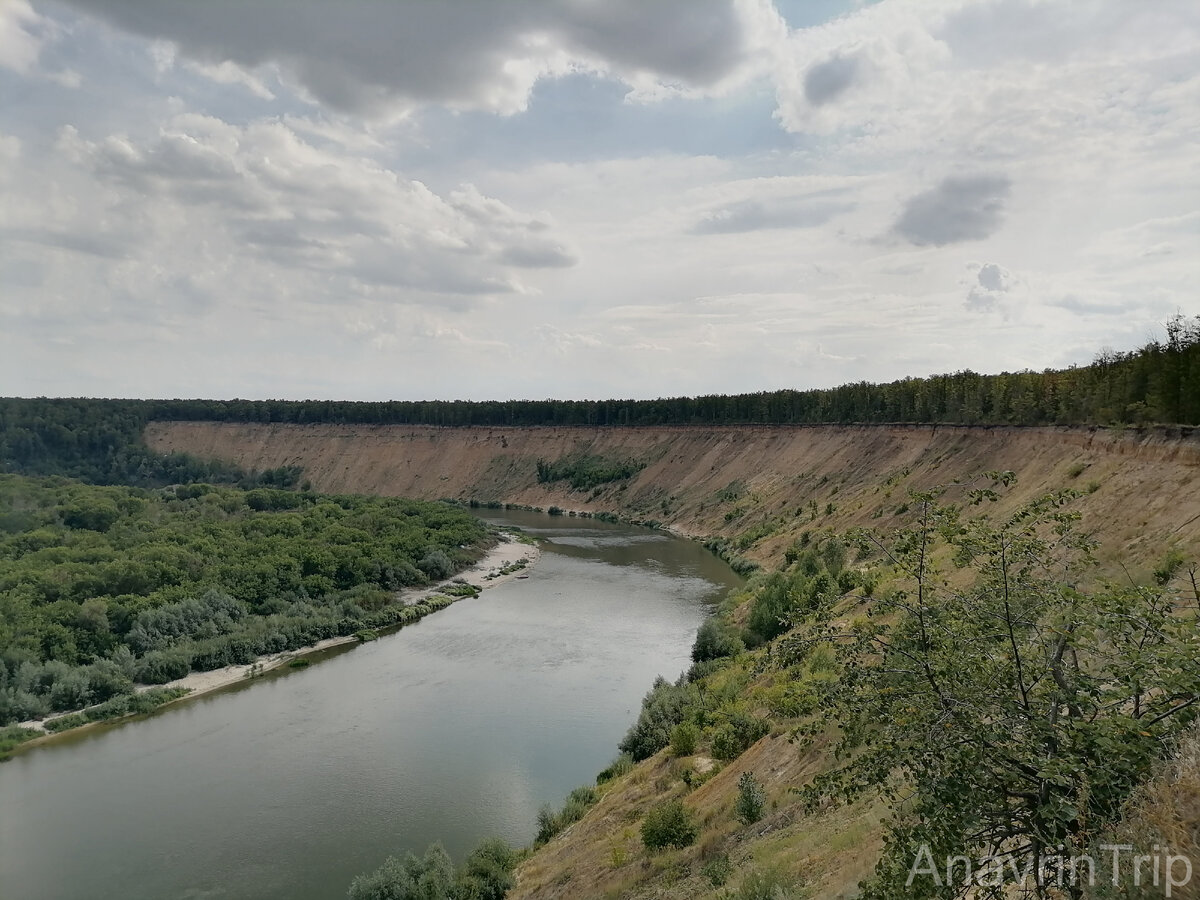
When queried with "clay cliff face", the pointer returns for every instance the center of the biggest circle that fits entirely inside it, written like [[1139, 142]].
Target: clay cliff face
[[1141, 489]]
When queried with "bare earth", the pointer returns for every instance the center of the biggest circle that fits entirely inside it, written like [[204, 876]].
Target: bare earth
[[505, 553], [1140, 487]]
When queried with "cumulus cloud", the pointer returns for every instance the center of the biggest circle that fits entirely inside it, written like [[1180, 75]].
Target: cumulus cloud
[[262, 191], [960, 208], [992, 283], [369, 57]]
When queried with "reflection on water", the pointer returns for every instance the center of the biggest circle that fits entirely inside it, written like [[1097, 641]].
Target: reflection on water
[[453, 729]]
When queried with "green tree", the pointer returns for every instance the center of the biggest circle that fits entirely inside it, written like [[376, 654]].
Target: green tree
[[1008, 711], [751, 799], [430, 877]]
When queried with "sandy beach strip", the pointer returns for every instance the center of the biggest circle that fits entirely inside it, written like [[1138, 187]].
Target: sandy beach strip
[[505, 553]]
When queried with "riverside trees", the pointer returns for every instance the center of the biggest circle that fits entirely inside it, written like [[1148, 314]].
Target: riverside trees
[[104, 586]]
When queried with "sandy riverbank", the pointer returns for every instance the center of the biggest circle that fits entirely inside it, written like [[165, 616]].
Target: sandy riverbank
[[505, 553], [484, 574]]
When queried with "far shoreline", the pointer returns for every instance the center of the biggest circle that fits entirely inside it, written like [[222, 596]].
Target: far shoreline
[[484, 574]]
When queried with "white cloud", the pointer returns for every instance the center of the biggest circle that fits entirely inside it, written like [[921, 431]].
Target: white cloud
[[21, 36], [369, 57]]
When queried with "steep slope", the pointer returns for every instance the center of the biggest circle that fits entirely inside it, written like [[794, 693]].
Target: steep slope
[[765, 483]]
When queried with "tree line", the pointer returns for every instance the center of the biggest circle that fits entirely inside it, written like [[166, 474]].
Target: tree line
[[100, 440]]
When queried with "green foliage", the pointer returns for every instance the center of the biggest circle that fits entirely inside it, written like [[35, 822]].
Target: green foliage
[[664, 707], [782, 597], [751, 799], [485, 875], [430, 877], [550, 823], [715, 640], [717, 870], [586, 472], [104, 586], [1020, 708], [738, 733], [622, 765], [1171, 564], [668, 825], [11, 737], [684, 738]]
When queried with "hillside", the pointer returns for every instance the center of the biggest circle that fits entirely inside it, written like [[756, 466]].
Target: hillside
[[762, 483], [769, 493]]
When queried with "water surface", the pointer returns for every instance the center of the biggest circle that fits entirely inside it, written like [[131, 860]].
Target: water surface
[[454, 729]]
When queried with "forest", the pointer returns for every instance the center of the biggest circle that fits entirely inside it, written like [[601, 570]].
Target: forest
[[104, 587], [100, 440]]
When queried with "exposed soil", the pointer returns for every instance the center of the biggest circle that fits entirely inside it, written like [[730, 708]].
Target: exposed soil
[[1142, 491]]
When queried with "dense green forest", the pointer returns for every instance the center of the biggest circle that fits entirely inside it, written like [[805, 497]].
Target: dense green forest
[[100, 440], [101, 587]]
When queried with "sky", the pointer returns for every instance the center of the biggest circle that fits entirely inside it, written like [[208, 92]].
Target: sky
[[491, 199]]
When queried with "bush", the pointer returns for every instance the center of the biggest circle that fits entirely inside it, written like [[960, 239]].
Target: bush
[[487, 874], [436, 564], [736, 736], [717, 870], [714, 641], [62, 723], [668, 825], [664, 707], [684, 738], [751, 799], [576, 806], [161, 666], [622, 765], [427, 878]]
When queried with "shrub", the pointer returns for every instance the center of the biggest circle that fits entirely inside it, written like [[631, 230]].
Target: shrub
[[668, 825], [733, 738], [714, 640], [717, 870], [664, 707], [684, 737], [428, 878], [436, 564], [161, 666], [618, 767], [750, 800], [487, 874], [13, 736], [62, 723]]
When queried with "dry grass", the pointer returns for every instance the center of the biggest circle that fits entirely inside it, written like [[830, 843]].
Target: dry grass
[[1165, 813]]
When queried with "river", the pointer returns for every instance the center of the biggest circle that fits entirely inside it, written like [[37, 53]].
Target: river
[[454, 729]]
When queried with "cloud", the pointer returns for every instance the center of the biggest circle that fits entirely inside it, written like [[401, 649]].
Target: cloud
[[828, 80], [960, 208], [369, 57], [21, 36], [992, 283], [207, 193], [757, 215]]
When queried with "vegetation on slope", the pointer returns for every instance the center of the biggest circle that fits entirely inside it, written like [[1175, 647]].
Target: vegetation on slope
[[974, 686], [586, 472], [101, 587]]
